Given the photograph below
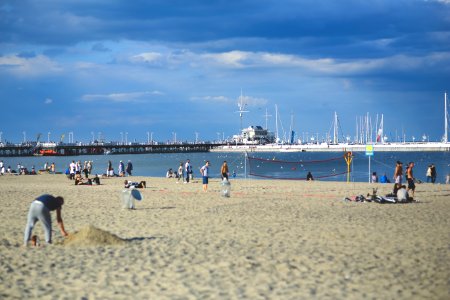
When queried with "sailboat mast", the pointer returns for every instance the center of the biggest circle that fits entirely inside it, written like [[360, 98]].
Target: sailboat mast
[[276, 124], [335, 130], [446, 119]]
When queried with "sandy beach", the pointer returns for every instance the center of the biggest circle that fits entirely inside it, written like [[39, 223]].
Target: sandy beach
[[269, 240]]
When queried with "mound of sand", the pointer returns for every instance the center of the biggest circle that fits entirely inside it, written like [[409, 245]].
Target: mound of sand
[[92, 236]]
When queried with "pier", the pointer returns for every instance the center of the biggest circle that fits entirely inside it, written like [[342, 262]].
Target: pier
[[101, 149]]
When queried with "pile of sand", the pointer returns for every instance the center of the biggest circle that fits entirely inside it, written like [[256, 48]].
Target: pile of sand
[[92, 236]]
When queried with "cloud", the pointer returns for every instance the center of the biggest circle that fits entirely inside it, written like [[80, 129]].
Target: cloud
[[215, 99], [30, 66], [252, 101], [233, 58], [440, 1], [121, 97], [99, 47], [150, 58], [48, 101]]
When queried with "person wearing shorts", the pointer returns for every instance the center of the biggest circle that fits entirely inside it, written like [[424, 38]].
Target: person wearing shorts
[[398, 175], [204, 170], [410, 178], [40, 210]]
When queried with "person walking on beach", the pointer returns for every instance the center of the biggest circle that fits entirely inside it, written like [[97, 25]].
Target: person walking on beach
[[410, 178], [187, 170], [129, 168], [180, 173], [72, 170], [121, 169], [204, 171], [428, 174], [109, 169], [40, 210], [89, 167], [433, 173], [224, 170]]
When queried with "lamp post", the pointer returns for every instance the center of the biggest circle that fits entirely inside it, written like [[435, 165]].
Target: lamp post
[[93, 137], [151, 137], [126, 138], [24, 136], [174, 135], [196, 137], [48, 137], [121, 138]]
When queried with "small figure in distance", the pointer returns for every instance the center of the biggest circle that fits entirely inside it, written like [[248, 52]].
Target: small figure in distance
[[129, 168], [205, 175], [410, 177], [224, 170], [40, 210], [309, 176], [169, 173], [402, 194], [433, 173], [428, 174], [384, 179], [180, 173], [139, 185], [80, 181], [374, 177], [96, 180]]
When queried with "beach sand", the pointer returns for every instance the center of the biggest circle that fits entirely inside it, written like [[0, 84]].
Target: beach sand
[[269, 240]]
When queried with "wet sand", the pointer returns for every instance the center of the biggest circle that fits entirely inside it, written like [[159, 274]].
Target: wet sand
[[269, 240]]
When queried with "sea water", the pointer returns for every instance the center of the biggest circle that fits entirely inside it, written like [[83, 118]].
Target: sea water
[[157, 165]]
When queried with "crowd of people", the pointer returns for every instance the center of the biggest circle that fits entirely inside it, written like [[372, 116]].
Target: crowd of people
[[184, 173], [23, 170], [42, 206]]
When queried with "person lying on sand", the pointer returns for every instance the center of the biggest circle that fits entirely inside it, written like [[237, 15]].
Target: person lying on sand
[[40, 210], [140, 185]]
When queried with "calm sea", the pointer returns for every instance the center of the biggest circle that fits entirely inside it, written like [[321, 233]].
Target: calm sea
[[156, 165]]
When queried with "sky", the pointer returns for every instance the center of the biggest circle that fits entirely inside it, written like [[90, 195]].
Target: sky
[[120, 70]]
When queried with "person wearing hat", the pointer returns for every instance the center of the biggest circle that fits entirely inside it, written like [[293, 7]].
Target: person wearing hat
[[40, 210]]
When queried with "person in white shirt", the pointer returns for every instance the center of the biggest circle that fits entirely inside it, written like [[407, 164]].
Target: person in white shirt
[[205, 170]]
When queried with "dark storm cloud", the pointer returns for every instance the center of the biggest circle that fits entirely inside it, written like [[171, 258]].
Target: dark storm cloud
[[312, 27]]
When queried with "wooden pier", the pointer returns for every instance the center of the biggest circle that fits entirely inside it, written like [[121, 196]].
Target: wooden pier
[[101, 149]]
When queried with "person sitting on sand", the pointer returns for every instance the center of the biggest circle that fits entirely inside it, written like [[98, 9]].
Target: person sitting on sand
[[40, 210], [384, 179], [96, 180], [309, 177], [131, 184], [80, 181], [402, 194]]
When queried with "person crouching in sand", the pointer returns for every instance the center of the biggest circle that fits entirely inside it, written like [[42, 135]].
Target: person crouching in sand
[[40, 210]]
